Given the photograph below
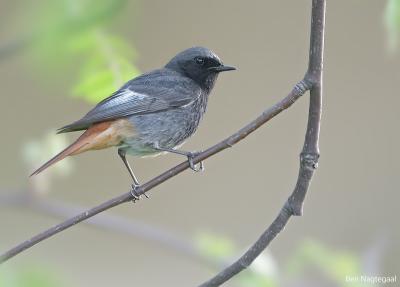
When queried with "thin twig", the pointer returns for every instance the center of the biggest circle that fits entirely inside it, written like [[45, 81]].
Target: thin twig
[[108, 222], [308, 157], [267, 115], [111, 223]]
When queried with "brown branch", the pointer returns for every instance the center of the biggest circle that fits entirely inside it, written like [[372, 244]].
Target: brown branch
[[308, 157], [296, 93], [308, 163], [108, 222], [267, 115]]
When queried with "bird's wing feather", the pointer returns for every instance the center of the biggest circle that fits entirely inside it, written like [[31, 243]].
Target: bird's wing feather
[[157, 91]]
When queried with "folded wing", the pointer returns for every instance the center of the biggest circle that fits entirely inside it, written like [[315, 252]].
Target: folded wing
[[150, 93]]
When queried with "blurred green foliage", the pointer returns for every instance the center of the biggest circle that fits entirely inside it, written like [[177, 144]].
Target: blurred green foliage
[[74, 34], [214, 247], [31, 276], [106, 68], [219, 249], [310, 255], [334, 264], [392, 23], [70, 37]]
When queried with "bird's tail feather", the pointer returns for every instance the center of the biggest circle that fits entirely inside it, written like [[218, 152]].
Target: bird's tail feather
[[98, 136], [70, 150]]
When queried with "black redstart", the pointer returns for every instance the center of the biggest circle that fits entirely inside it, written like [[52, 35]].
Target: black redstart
[[151, 114]]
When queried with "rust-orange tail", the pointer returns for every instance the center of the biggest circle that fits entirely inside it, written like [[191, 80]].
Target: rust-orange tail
[[98, 136], [63, 154]]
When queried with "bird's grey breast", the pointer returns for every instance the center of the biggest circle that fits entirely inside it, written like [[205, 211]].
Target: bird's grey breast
[[172, 126]]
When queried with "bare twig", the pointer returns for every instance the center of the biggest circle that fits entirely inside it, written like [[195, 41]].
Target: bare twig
[[112, 223], [296, 93], [308, 157]]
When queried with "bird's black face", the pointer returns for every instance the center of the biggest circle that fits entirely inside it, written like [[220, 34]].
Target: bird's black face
[[199, 64]]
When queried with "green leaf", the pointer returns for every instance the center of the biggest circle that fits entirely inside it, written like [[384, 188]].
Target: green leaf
[[262, 273], [251, 279], [70, 38], [215, 247], [333, 263], [107, 67], [29, 277], [392, 23]]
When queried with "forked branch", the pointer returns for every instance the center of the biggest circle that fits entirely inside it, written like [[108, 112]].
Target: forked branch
[[308, 159]]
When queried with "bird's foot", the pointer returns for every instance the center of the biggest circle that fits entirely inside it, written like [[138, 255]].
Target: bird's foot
[[137, 192], [193, 166]]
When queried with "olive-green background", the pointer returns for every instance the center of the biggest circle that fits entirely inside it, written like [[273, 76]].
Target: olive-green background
[[354, 198]]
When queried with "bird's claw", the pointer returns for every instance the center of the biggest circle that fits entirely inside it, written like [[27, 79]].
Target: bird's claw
[[191, 156], [136, 192]]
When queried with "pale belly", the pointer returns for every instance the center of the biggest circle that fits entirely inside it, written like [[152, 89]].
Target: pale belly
[[167, 129]]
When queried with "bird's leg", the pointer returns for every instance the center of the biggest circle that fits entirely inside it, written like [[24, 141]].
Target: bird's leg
[[190, 156], [135, 185]]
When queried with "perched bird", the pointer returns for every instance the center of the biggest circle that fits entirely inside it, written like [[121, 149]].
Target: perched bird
[[151, 114]]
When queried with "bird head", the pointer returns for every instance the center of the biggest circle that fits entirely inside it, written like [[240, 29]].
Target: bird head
[[200, 64]]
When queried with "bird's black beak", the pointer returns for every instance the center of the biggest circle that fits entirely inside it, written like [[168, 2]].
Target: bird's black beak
[[222, 68]]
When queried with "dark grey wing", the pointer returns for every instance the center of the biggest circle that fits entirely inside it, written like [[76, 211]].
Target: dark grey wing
[[157, 91]]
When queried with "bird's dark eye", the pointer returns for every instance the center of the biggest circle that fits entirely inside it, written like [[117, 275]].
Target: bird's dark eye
[[199, 61]]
